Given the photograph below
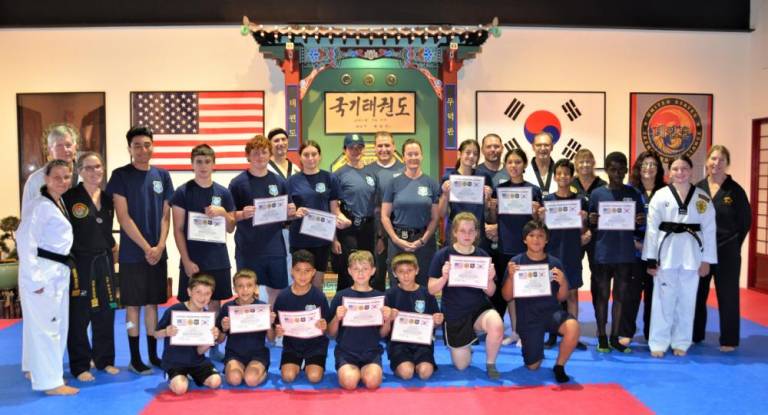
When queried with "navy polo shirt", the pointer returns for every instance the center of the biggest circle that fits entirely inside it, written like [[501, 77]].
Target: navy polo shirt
[[315, 191], [358, 191], [145, 193], [454, 208], [262, 240], [412, 200], [565, 244], [614, 247], [511, 226], [193, 198]]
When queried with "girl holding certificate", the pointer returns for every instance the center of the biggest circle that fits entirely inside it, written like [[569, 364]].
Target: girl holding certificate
[[566, 243], [260, 248], [733, 222], [467, 309], [469, 153], [680, 245], [317, 189], [409, 211], [647, 177], [508, 223]]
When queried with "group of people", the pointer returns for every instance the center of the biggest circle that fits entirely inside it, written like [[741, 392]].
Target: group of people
[[387, 215]]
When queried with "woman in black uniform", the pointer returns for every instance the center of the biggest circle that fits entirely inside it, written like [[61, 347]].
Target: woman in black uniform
[[93, 287], [734, 218]]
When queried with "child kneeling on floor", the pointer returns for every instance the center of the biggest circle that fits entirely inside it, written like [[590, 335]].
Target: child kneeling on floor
[[537, 316], [179, 362]]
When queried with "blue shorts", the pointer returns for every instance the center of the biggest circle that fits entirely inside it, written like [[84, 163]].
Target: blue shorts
[[271, 271], [358, 359], [532, 335], [399, 352]]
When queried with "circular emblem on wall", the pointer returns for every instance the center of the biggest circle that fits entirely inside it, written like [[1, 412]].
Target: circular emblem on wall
[[540, 121], [391, 79], [369, 79], [671, 127], [79, 210], [346, 79]]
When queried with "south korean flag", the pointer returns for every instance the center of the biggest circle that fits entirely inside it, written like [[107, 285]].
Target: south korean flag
[[576, 120]]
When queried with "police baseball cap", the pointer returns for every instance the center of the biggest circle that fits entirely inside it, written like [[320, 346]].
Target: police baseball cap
[[353, 140]]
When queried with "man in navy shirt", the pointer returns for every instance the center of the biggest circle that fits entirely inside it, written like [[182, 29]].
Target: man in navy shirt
[[358, 191], [385, 168], [141, 196]]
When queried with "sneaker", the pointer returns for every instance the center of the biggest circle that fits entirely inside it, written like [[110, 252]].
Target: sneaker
[[616, 345], [140, 370]]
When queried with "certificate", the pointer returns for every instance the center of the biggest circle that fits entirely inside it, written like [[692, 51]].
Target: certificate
[[194, 328], [515, 200], [249, 318], [468, 271], [363, 312], [318, 224], [563, 214], [270, 210], [616, 216], [532, 281], [301, 324], [413, 328], [467, 189], [202, 228]]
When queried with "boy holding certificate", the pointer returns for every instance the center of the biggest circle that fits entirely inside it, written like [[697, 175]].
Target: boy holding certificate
[[540, 312], [306, 349], [614, 249], [202, 213], [246, 356], [358, 352], [405, 358], [180, 362], [566, 239]]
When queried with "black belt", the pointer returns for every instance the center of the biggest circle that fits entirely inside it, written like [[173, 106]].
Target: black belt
[[360, 220], [69, 261], [674, 227], [408, 233]]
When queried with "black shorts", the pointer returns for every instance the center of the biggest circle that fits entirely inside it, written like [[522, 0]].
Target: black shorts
[[321, 254], [246, 359], [222, 291], [302, 361], [356, 359], [406, 352], [199, 374], [532, 335], [461, 333], [143, 284]]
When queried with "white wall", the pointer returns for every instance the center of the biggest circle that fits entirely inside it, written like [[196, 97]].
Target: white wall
[[758, 60], [120, 60]]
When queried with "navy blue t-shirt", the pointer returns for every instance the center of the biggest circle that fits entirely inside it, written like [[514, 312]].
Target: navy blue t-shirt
[[315, 191], [384, 176], [193, 198], [454, 208], [358, 191], [145, 193], [261, 240], [417, 301], [614, 247], [565, 244], [242, 344], [314, 298], [511, 226], [175, 357], [412, 200], [356, 339], [457, 302], [535, 311]]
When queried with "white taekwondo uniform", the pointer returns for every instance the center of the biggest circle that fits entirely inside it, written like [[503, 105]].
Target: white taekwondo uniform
[[46, 314], [680, 235]]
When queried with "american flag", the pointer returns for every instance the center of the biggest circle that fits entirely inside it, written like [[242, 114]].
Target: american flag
[[225, 120]]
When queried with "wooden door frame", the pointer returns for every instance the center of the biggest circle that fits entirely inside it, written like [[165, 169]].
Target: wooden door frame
[[753, 196]]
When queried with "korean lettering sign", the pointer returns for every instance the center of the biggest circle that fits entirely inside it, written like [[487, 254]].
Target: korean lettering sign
[[369, 112]]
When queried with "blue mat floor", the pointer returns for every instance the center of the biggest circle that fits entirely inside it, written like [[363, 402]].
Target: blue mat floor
[[705, 381]]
